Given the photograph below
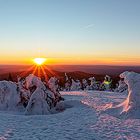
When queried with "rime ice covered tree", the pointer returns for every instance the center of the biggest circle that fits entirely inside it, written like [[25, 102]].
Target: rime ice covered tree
[[73, 85], [9, 96], [54, 87], [93, 84], [131, 106], [122, 86], [85, 84], [30, 95], [67, 83], [106, 85], [79, 85], [76, 85]]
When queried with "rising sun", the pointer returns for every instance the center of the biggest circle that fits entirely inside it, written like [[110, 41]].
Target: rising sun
[[39, 61]]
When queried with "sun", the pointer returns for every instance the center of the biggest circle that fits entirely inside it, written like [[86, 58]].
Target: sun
[[39, 61]]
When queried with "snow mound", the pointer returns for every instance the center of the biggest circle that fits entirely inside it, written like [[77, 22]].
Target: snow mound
[[129, 108]]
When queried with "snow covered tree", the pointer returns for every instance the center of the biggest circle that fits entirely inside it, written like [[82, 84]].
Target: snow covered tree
[[106, 85], [85, 84], [131, 106], [29, 94], [73, 85], [25, 94], [67, 83], [76, 85], [67, 86], [54, 87], [9, 96], [122, 86], [66, 77], [93, 84]]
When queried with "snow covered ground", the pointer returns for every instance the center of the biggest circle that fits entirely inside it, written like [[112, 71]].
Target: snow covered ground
[[84, 120]]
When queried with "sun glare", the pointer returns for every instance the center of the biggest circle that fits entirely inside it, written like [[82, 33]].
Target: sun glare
[[39, 61]]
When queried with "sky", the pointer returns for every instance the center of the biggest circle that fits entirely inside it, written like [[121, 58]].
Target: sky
[[88, 32]]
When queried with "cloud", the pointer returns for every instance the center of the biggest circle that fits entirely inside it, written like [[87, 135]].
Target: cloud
[[89, 26]]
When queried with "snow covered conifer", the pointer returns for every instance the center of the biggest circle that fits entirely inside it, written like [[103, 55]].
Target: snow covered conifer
[[131, 106], [93, 84], [107, 83], [85, 84]]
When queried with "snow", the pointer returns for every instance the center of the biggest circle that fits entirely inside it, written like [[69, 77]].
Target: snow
[[83, 119], [109, 127], [84, 115], [72, 123]]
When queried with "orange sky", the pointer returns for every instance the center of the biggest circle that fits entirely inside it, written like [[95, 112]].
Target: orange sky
[[73, 60]]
